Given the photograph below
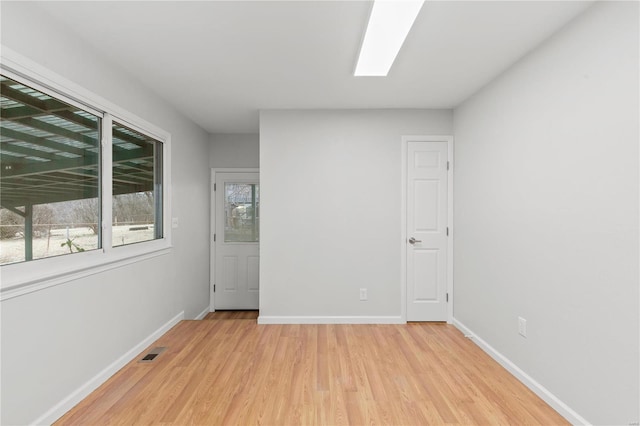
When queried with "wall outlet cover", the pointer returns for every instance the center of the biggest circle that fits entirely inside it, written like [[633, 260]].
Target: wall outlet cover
[[363, 294]]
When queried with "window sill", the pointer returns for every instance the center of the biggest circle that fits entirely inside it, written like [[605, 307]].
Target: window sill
[[28, 277]]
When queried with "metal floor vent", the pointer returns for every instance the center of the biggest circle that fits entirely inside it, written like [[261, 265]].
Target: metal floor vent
[[152, 354]]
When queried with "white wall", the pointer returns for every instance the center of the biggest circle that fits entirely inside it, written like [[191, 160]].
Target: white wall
[[240, 150], [55, 340], [331, 210], [546, 214]]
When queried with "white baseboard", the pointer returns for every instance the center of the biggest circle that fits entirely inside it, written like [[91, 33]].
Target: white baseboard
[[562, 408], [83, 391], [267, 319], [203, 314]]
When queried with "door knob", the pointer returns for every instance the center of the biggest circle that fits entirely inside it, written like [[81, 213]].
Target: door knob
[[413, 240]]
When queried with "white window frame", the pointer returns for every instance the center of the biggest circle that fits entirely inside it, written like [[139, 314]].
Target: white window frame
[[26, 277]]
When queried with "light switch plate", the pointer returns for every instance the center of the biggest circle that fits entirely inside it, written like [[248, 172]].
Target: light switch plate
[[522, 327]]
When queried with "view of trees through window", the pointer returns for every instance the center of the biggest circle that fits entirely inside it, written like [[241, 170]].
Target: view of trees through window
[[242, 212], [133, 218], [57, 228], [137, 187], [72, 226], [51, 176]]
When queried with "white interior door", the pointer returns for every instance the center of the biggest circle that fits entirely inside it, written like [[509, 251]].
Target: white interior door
[[427, 231], [237, 237]]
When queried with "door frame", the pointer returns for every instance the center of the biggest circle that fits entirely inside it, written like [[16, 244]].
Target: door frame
[[212, 227], [403, 221]]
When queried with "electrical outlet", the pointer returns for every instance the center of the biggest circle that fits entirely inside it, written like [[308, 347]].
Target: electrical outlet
[[522, 327], [174, 222], [363, 294]]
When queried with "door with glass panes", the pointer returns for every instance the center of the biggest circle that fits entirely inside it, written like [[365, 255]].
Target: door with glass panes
[[237, 236]]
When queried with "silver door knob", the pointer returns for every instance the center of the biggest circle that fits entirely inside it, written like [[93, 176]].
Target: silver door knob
[[413, 241]]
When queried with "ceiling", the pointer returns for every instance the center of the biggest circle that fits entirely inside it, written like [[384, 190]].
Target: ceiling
[[220, 62]]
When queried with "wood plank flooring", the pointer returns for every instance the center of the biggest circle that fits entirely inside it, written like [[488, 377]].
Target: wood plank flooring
[[250, 315], [235, 372]]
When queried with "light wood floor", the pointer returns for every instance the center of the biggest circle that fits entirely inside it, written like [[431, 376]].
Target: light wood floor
[[235, 372], [248, 315]]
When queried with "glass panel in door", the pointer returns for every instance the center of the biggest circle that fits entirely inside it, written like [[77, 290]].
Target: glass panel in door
[[242, 212]]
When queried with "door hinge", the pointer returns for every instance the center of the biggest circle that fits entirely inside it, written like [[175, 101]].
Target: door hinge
[[447, 231], [214, 288], [447, 294], [447, 165], [214, 238], [215, 186]]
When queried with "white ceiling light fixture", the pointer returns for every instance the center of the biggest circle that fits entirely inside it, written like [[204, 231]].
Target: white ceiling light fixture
[[389, 24]]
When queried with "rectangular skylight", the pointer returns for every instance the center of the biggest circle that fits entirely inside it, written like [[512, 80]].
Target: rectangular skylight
[[389, 24]]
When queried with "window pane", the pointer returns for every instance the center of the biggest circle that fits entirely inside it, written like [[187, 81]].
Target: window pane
[[137, 187], [242, 212], [49, 181]]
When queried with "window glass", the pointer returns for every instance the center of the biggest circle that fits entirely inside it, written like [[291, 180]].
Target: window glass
[[49, 176], [137, 187], [242, 212]]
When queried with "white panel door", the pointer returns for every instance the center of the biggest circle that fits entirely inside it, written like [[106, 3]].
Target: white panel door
[[427, 239], [237, 237]]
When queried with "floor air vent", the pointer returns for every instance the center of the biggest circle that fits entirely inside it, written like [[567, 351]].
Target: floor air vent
[[152, 354]]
